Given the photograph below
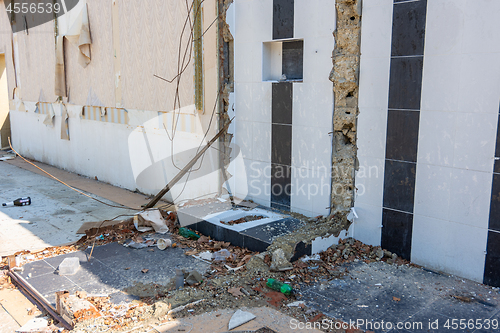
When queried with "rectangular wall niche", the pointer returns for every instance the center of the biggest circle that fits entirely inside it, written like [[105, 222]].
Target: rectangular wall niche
[[283, 61]]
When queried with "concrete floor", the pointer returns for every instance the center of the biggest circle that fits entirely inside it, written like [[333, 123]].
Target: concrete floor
[[54, 216]]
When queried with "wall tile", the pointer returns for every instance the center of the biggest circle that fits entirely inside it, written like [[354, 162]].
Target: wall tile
[[376, 30], [311, 147], [494, 220], [282, 100], [321, 188], [492, 263], [374, 82], [262, 97], [481, 27], [397, 232], [313, 105], [371, 132], [244, 138], [432, 191], [439, 245], [402, 135], [370, 181], [470, 197], [301, 197], [283, 19], [281, 184], [399, 185], [247, 61], [293, 60], [408, 30], [440, 82], [445, 27], [436, 140], [475, 141], [243, 106], [318, 58], [281, 144], [262, 142], [366, 227], [314, 18], [405, 83], [479, 83]]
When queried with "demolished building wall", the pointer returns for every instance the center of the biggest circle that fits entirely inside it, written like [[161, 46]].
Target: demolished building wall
[[427, 129], [125, 126], [283, 103]]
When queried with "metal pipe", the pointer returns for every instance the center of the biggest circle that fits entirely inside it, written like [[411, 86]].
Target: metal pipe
[[24, 285]]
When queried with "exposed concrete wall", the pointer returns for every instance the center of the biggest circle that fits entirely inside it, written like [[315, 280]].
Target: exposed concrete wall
[[345, 75]]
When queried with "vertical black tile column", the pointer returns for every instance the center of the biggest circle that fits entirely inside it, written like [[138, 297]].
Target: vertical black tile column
[[492, 263], [283, 16], [281, 145], [405, 87]]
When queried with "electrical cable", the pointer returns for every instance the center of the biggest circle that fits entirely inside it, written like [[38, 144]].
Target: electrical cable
[[60, 181]]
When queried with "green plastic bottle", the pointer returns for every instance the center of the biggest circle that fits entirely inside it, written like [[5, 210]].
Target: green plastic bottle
[[188, 233], [279, 286]]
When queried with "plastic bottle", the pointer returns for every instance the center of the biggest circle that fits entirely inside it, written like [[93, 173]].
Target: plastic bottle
[[188, 233], [18, 202], [279, 286]]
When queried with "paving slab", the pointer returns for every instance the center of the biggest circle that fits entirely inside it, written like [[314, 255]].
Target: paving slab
[[111, 269], [218, 321], [378, 292]]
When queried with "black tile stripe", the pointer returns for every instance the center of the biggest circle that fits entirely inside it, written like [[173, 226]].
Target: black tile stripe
[[283, 16], [293, 60], [281, 145], [403, 118], [492, 260]]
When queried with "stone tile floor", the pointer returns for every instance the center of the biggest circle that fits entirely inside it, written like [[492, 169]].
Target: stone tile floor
[[379, 292], [111, 269]]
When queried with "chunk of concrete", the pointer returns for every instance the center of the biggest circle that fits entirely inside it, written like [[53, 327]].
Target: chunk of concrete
[[69, 266], [193, 278], [239, 318], [280, 262]]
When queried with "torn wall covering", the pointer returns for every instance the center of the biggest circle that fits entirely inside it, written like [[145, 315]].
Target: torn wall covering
[[147, 38]]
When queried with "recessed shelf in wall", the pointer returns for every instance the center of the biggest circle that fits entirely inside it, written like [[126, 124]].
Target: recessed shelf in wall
[[283, 60]]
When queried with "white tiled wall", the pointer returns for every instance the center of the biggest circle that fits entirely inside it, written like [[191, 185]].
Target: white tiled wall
[[376, 32], [457, 132], [312, 102]]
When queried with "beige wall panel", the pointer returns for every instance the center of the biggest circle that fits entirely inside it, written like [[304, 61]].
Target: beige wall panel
[[6, 47], [94, 84], [149, 44], [37, 63]]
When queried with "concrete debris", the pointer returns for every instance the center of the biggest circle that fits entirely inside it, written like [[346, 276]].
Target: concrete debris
[[296, 304], [314, 257], [74, 309], [239, 318], [194, 278], [69, 266], [280, 262], [151, 218]]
